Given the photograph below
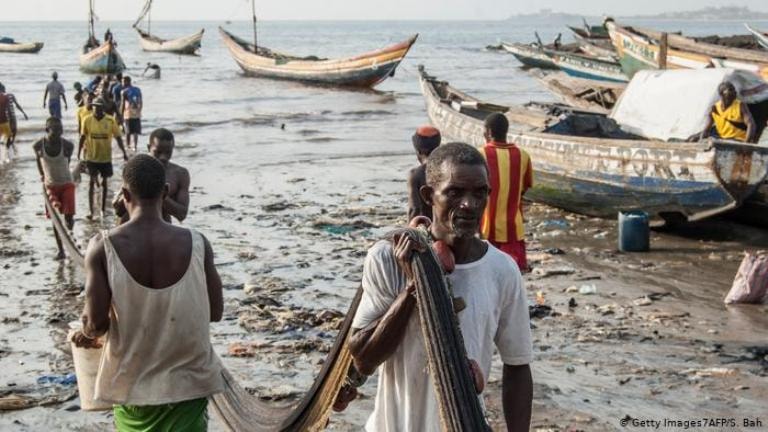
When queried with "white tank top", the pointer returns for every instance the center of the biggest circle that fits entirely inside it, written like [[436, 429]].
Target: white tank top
[[158, 347], [55, 168]]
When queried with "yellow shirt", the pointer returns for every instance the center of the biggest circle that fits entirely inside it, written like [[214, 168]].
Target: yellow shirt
[[81, 114], [729, 122], [98, 137]]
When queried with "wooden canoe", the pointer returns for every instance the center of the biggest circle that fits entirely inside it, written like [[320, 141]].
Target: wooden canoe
[[584, 94], [365, 70], [587, 67], [602, 48], [104, 59], [640, 49], [20, 47], [183, 45], [760, 37], [601, 176]]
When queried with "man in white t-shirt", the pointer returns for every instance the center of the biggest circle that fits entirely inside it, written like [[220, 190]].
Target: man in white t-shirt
[[387, 333]]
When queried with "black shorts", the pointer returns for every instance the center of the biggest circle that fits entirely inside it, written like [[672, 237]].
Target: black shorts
[[133, 126], [104, 169]]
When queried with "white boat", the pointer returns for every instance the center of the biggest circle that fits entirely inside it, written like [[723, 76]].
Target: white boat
[[11, 46], [182, 45]]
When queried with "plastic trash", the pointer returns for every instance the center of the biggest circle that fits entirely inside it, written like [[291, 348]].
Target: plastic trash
[[751, 282], [63, 380], [588, 289]]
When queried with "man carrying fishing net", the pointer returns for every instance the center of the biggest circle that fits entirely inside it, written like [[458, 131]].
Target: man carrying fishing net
[[489, 298]]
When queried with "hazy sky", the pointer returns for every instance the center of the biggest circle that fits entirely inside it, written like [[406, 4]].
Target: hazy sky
[[216, 10]]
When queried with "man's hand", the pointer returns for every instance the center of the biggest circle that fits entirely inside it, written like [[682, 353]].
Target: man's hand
[[405, 243], [125, 156], [82, 341], [26, 117]]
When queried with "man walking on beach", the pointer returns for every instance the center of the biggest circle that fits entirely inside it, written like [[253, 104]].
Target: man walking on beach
[[53, 154], [54, 93], [387, 331], [511, 175], [8, 126], [131, 112], [98, 130], [153, 289], [426, 139], [176, 202]]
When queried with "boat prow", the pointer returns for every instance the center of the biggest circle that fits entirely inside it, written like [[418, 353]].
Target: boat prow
[[21, 47], [365, 70], [102, 59], [183, 45]]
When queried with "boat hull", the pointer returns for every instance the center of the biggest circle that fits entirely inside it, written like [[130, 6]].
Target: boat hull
[[21, 48], [529, 56], [588, 95], [588, 68], [760, 37], [101, 60], [366, 70], [183, 45], [601, 177]]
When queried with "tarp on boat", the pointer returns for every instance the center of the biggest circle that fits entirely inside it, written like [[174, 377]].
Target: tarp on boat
[[674, 104]]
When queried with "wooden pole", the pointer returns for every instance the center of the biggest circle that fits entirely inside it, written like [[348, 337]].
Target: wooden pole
[[255, 41], [663, 48]]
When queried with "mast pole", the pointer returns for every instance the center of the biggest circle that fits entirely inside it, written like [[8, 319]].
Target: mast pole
[[255, 40], [90, 17], [149, 18]]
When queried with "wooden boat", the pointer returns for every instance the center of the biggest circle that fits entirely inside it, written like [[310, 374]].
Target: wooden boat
[[99, 58], [760, 37], [603, 174], [183, 45], [8, 45], [365, 70], [602, 48], [536, 54], [590, 31], [640, 49], [581, 66], [584, 94]]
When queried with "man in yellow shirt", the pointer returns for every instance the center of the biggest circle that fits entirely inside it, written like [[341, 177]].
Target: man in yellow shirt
[[730, 116], [97, 132]]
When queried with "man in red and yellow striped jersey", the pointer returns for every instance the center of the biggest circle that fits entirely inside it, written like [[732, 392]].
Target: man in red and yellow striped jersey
[[510, 175]]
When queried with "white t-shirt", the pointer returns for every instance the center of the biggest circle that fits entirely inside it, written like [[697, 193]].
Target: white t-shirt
[[496, 314]]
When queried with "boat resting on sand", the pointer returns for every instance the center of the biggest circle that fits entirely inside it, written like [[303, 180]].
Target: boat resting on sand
[[640, 49], [8, 45], [582, 66], [584, 94], [760, 37], [365, 70], [585, 165], [104, 59], [183, 45]]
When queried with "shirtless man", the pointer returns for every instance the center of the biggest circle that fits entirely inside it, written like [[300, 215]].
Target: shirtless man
[[153, 289], [176, 203]]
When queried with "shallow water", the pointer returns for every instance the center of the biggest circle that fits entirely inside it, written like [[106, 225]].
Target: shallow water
[[341, 155]]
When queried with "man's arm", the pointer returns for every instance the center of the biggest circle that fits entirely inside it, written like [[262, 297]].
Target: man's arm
[[16, 102], [179, 206], [517, 397], [37, 147], [45, 96], [68, 149], [415, 206], [213, 283], [750, 121], [98, 296], [119, 140], [374, 344], [80, 145], [64, 98]]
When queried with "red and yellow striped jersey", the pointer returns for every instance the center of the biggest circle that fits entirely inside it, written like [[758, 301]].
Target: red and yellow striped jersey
[[510, 175]]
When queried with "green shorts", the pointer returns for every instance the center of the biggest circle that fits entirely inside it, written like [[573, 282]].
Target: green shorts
[[187, 416]]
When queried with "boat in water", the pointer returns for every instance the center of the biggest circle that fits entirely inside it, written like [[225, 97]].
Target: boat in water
[[182, 45], [99, 58], [9, 45], [588, 67], [585, 163]]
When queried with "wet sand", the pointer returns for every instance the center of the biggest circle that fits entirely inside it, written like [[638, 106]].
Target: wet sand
[[655, 340]]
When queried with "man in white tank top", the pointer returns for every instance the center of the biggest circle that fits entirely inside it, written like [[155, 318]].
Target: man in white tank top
[[53, 154], [152, 288]]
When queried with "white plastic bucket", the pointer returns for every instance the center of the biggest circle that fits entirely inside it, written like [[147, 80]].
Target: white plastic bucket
[[87, 362]]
